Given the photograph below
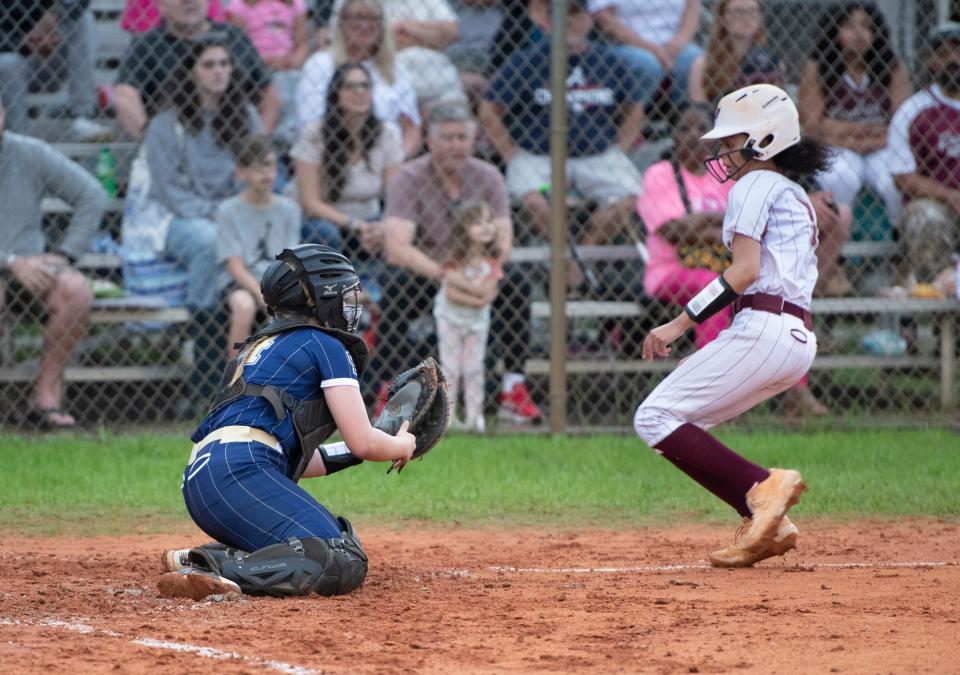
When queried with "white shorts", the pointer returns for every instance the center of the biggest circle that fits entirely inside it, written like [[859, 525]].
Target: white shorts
[[758, 356], [605, 178]]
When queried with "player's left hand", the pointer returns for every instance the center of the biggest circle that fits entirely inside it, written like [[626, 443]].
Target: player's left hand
[[657, 342]]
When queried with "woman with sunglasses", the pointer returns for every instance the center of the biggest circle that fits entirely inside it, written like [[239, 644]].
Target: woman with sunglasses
[[342, 165]]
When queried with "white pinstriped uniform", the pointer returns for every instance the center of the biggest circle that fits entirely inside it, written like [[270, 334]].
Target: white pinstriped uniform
[[760, 354]]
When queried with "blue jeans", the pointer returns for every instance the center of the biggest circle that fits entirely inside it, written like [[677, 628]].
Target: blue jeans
[[193, 243], [649, 70], [321, 231]]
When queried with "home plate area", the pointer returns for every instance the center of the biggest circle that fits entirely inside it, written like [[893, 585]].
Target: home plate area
[[877, 596]]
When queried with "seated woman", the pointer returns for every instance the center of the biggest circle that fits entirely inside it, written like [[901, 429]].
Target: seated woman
[[342, 165], [192, 170], [361, 34], [852, 84]]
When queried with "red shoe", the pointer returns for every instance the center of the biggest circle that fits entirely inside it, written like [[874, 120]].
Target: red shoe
[[382, 397], [517, 406]]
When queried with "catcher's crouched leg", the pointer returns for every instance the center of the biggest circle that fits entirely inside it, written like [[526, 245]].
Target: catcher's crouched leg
[[297, 567]]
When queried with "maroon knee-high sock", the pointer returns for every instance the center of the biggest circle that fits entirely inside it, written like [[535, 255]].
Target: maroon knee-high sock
[[712, 464]]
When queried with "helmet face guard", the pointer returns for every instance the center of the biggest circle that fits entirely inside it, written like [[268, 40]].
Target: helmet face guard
[[715, 166]]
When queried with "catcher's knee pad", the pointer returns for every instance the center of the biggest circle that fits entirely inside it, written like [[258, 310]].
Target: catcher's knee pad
[[297, 567]]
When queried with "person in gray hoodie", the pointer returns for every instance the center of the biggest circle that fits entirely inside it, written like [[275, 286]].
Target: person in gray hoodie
[[38, 273]]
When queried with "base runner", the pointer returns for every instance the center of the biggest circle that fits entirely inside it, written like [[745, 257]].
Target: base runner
[[771, 229]]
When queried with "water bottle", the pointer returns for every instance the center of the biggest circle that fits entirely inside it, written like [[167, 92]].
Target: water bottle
[[107, 172]]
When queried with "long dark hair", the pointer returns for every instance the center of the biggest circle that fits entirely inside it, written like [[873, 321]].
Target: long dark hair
[[339, 143], [804, 160], [230, 120], [880, 58], [462, 217]]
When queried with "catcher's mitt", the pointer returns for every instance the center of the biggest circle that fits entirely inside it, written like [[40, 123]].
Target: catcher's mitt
[[418, 395]]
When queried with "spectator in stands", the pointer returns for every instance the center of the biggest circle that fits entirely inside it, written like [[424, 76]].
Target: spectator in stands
[[605, 116], [422, 29], [342, 166], [524, 23], [253, 227], [682, 206], [471, 52], [736, 54], [924, 144], [278, 29], [851, 86], [34, 271], [148, 63], [362, 35], [420, 198], [189, 151], [44, 44], [736, 57], [142, 16], [655, 37], [192, 170]]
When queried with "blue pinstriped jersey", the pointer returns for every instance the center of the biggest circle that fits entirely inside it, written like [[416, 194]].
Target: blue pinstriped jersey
[[302, 362]]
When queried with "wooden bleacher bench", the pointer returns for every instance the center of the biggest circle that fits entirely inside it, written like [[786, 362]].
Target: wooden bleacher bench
[[944, 310]]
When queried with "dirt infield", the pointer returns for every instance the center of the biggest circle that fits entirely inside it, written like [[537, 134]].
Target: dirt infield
[[869, 598]]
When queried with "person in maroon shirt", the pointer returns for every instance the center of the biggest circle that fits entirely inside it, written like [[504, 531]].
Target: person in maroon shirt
[[924, 144]]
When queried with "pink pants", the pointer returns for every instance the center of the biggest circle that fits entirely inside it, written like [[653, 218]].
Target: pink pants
[[680, 287], [462, 350]]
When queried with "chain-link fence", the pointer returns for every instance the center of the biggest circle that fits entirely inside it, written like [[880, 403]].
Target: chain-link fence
[[158, 154]]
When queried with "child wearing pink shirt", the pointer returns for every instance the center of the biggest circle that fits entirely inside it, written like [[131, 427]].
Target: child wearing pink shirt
[[140, 16], [674, 216], [277, 28]]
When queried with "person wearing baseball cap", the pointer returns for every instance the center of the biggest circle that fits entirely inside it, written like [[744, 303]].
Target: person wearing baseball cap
[[924, 148]]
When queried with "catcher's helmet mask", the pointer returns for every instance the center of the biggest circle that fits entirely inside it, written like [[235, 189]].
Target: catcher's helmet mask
[[765, 114], [315, 281]]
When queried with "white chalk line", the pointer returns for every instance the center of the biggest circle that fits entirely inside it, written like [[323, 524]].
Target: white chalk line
[[702, 566], [182, 647]]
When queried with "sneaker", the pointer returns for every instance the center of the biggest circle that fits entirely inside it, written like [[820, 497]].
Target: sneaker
[[737, 556], [517, 406], [194, 584], [769, 502], [175, 559], [86, 130]]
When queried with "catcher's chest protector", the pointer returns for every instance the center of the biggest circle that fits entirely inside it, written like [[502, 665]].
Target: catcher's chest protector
[[312, 420]]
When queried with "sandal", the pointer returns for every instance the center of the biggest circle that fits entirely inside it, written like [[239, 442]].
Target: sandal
[[42, 419]]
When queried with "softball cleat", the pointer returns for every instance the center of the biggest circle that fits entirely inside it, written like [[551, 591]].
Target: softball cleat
[[175, 559], [195, 584], [737, 556], [769, 502]]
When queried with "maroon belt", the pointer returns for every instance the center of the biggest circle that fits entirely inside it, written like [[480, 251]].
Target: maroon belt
[[764, 302]]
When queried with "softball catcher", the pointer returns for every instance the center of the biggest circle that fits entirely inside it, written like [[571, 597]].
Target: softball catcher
[[771, 229], [293, 385]]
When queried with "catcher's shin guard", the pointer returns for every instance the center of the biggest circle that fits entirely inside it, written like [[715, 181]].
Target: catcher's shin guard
[[297, 567]]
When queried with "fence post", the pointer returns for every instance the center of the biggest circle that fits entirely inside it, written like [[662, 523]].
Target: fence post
[[558, 217]]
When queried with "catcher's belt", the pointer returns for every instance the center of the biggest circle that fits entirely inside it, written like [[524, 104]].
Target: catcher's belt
[[235, 434]]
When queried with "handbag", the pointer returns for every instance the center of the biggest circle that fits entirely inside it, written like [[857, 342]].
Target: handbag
[[147, 271], [714, 257]]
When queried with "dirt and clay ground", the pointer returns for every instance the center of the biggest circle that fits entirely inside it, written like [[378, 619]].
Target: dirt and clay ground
[[872, 597]]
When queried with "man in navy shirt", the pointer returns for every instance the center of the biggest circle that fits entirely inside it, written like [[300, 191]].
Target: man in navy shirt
[[604, 117]]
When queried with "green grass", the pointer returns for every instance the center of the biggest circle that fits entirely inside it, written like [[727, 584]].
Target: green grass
[[87, 484]]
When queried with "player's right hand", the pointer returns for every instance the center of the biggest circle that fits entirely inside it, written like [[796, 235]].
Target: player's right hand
[[657, 342], [408, 445]]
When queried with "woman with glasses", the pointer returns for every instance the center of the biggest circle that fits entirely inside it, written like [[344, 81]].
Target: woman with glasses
[[362, 35], [342, 166]]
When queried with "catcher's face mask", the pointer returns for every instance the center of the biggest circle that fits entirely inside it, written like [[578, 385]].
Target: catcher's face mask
[[352, 309]]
